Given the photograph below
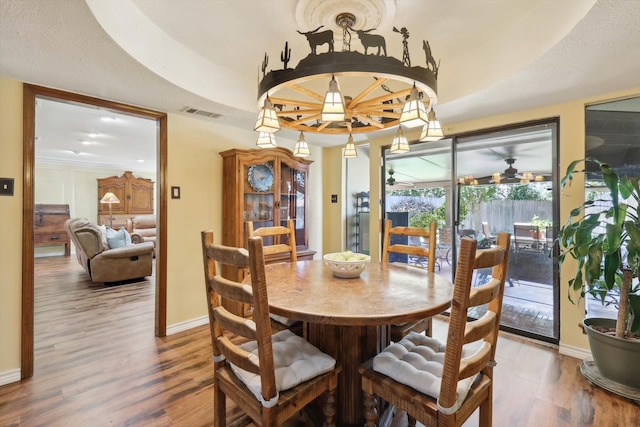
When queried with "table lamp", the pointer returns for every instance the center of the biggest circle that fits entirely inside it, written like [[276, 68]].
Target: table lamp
[[110, 198]]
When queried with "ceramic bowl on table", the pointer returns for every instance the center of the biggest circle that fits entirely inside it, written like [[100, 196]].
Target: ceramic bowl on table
[[346, 264]]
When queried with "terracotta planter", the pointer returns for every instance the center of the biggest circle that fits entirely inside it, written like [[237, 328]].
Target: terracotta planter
[[616, 358], [537, 235]]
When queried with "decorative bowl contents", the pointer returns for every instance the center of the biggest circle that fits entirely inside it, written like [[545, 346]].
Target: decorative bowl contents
[[346, 264]]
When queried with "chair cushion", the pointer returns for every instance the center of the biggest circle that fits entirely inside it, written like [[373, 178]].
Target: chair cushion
[[417, 361], [295, 361]]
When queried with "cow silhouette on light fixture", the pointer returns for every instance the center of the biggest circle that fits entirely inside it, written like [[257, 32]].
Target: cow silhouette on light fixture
[[371, 40], [318, 39]]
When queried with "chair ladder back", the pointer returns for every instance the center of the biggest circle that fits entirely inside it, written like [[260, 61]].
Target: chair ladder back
[[429, 253], [278, 233], [486, 328], [213, 299], [258, 329]]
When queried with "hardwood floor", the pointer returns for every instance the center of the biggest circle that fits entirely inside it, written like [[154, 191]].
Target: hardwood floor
[[97, 363]]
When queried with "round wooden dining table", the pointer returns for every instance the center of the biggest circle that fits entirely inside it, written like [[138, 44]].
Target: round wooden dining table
[[349, 318]]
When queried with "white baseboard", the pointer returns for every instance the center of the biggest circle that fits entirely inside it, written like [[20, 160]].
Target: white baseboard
[[8, 377], [577, 352], [189, 324]]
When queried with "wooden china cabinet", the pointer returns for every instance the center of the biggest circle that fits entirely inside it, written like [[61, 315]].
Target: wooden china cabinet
[[268, 187]]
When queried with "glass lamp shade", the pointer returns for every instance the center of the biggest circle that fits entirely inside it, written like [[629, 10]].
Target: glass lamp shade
[[267, 119], [333, 109], [301, 149], [350, 151], [432, 131], [400, 143], [413, 112], [266, 140], [109, 198]]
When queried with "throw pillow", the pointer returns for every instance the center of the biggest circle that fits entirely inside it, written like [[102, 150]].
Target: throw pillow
[[119, 238], [103, 235]]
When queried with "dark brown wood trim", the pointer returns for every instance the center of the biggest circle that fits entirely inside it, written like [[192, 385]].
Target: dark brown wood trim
[[28, 164], [161, 260], [30, 92]]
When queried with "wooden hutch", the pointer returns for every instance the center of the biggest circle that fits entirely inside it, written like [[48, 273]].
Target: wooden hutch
[[266, 186], [135, 195]]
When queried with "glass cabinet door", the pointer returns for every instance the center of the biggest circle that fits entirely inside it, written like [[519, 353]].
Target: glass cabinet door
[[292, 200], [259, 194]]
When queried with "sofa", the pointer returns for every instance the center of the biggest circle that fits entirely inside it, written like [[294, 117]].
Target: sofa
[[143, 225], [122, 261]]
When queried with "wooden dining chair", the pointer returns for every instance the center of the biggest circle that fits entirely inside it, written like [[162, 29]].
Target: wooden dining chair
[[439, 384], [400, 330], [269, 377], [279, 240]]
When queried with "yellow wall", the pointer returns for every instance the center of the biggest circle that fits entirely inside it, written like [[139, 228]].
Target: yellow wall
[[193, 164], [333, 229], [571, 136], [10, 225]]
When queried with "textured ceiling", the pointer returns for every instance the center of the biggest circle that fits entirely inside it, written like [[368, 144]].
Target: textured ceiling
[[496, 56]]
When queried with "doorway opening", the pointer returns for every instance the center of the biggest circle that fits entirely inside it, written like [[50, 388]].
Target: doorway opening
[[30, 95]]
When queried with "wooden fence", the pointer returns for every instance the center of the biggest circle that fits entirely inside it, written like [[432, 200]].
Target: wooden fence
[[500, 214]]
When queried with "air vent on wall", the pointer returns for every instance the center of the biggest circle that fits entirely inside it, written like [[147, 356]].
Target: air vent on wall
[[202, 113]]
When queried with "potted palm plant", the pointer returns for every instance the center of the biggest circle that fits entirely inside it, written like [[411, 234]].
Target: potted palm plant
[[604, 237]]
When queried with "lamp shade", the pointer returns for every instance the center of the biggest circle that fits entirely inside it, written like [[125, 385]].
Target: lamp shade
[[302, 148], [267, 119], [109, 198], [413, 112], [400, 143], [432, 131], [333, 109], [266, 140], [350, 151]]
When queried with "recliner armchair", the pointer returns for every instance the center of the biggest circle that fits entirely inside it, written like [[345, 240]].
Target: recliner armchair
[[102, 263], [143, 225]]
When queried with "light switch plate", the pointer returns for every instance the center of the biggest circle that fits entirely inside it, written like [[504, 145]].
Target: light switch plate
[[6, 186], [175, 192]]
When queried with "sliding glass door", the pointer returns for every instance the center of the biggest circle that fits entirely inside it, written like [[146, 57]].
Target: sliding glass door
[[477, 185]]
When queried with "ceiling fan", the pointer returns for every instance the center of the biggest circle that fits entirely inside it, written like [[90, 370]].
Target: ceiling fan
[[511, 174], [392, 181]]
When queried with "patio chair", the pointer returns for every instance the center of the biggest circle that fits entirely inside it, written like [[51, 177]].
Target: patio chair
[[443, 385], [488, 239]]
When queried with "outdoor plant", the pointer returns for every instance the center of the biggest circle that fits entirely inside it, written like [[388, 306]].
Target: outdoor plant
[[424, 219], [604, 237], [541, 224]]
